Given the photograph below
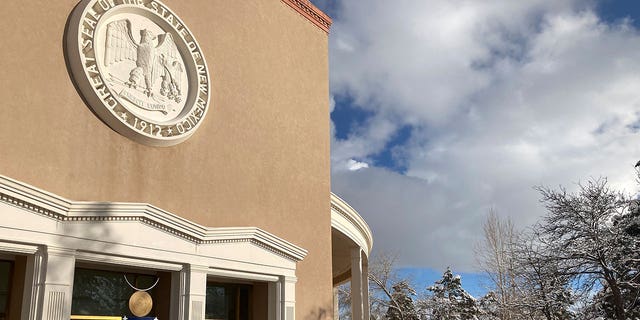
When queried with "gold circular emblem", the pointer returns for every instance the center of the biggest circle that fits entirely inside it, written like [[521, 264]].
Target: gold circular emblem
[[139, 68], [140, 303]]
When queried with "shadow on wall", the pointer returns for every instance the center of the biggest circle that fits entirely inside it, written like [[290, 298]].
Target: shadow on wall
[[321, 313], [99, 234], [96, 228]]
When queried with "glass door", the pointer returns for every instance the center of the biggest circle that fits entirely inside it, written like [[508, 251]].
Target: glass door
[[228, 301]]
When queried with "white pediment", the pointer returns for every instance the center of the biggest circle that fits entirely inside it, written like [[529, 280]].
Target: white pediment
[[137, 232]]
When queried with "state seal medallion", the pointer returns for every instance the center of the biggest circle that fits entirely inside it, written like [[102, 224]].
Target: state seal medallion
[[139, 68]]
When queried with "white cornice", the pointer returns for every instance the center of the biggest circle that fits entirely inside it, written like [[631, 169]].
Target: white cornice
[[348, 221], [27, 197]]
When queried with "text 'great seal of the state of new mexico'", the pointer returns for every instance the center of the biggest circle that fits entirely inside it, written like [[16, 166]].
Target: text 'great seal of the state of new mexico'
[[139, 68]]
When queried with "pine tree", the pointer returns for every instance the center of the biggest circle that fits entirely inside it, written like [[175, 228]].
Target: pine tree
[[449, 301], [489, 307]]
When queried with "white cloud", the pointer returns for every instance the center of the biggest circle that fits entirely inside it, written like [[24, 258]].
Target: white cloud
[[362, 142], [354, 165], [502, 95]]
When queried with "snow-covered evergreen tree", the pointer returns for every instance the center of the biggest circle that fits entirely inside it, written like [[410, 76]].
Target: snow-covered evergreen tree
[[489, 307], [449, 301]]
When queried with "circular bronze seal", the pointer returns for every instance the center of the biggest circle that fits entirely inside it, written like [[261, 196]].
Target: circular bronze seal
[[140, 303], [139, 68]]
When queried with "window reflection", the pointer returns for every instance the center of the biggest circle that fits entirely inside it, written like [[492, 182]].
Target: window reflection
[[106, 293]]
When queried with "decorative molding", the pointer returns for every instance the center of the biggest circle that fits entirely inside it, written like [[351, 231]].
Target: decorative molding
[[311, 12], [343, 209], [224, 273], [28, 206], [85, 256], [24, 196], [56, 305], [270, 249], [19, 248], [60, 251]]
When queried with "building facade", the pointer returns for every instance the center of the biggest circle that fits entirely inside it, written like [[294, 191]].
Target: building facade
[[234, 220]]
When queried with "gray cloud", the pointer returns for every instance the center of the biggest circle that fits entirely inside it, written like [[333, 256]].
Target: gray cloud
[[502, 96]]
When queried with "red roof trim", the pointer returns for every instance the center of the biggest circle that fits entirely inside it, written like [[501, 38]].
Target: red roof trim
[[311, 12]]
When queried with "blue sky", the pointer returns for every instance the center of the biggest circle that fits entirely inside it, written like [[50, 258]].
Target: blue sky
[[613, 10], [445, 109]]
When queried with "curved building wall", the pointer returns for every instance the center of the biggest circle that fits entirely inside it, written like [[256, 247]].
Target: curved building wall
[[260, 157]]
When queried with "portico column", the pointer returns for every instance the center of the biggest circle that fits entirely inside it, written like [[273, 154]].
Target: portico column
[[288, 298], [195, 292], [336, 304], [357, 311], [58, 283], [365, 288]]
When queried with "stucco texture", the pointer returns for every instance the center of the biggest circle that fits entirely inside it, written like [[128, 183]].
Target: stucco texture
[[259, 158]]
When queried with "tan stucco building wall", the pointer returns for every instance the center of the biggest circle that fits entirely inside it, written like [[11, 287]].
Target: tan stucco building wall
[[260, 157]]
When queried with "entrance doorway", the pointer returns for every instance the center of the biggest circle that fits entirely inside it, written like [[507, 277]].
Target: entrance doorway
[[6, 273], [236, 301], [12, 277]]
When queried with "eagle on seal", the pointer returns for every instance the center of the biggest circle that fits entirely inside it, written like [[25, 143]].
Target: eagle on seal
[[152, 61]]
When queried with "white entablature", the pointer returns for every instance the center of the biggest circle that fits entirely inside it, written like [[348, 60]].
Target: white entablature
[[57, 233]]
